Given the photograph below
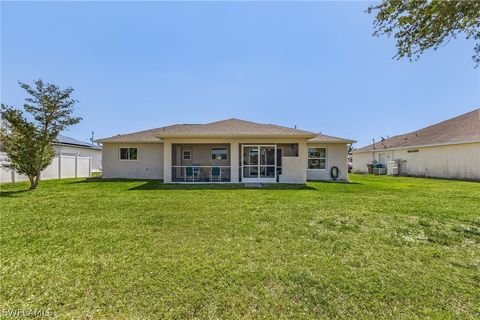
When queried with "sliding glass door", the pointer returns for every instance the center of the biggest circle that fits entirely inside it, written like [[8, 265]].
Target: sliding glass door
[[259, 163]]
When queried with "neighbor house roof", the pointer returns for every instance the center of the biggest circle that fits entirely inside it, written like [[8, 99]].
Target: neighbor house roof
[[64, 140], [223, 128], [464, 128]]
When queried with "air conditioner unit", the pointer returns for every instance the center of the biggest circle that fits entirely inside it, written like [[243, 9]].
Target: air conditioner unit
[[393, 168], [395, 171]]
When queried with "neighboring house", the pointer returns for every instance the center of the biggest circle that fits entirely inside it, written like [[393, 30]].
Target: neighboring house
[[67, 145], [225, 151], [449, 149]]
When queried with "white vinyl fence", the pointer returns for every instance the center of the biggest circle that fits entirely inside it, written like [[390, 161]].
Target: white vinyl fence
[[62, 166]]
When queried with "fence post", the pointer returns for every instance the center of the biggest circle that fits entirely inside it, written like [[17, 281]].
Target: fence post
[[76, 166], [13, 175], [59, 166]]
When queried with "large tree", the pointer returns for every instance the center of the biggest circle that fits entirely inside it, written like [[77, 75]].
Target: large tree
[[423, 24], [28, 143]]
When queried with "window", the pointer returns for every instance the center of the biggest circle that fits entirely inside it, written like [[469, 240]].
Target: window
[[317, 158], [219, 153], [288, 149], [128, 153], [187, 155]]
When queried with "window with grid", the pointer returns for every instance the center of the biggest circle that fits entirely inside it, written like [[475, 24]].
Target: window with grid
[[187, 155], [128, 153], [317, 158]]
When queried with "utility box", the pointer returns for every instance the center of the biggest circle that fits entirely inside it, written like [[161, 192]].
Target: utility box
[[379, 171]]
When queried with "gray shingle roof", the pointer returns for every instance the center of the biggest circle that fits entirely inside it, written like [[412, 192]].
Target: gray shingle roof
[[223, 128], [463, 128]]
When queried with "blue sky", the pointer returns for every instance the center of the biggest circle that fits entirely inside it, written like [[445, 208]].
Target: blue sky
[[137, 66]]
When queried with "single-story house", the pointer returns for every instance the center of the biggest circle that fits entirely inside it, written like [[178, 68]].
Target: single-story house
[[230, 150], [70, 146], [449, 149]]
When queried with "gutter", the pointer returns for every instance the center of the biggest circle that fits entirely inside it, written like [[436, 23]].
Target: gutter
[[333, 142]]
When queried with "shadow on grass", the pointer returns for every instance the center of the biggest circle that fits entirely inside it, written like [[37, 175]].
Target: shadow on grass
[[334, 182], [159, 185], [13, 193], [99, 179]]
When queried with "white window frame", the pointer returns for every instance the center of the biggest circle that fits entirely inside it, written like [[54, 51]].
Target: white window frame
[[120, 153], [243, 166], [317, 158], [211, 153], [190, 157]]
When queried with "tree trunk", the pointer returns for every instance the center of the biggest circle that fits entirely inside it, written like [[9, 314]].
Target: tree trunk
[[37, 179], [31, 177]]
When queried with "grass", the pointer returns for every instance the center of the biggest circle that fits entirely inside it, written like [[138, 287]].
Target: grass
[[380, 247]]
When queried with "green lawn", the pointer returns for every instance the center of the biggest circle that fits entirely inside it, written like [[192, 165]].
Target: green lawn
[[380, 247]]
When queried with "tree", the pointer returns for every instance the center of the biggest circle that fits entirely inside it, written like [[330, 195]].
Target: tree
[[423, 24], [28, 144], [350, 148]]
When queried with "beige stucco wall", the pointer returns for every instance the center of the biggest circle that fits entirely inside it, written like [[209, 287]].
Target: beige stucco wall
[[336, 157], [458, 161], [360, 161], [149, 164], [293, 170]]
